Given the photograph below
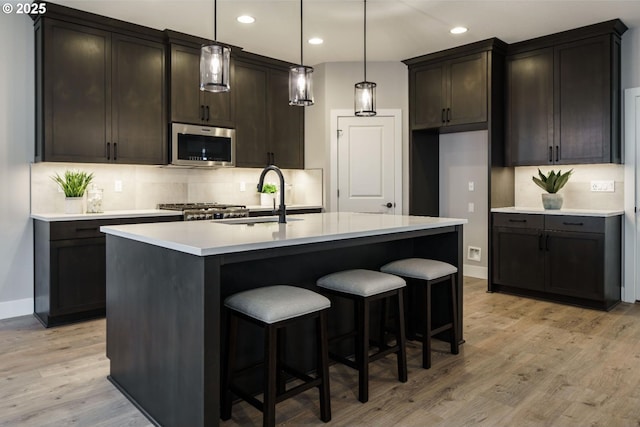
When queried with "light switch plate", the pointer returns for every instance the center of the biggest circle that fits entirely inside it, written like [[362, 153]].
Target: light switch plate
[[474, 253], [472, 207], [603, 186], [471, 185]]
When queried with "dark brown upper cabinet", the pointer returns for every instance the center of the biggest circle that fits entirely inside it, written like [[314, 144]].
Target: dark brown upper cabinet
[[100, 91], [268, 129], [563, 97], [188, 103], [449, 92]]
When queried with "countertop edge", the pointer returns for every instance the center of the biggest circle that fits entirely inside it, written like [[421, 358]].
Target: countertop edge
[[141, 213], [571, 212]]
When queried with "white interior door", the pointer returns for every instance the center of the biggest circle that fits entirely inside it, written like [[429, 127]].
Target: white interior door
[[367, 170]]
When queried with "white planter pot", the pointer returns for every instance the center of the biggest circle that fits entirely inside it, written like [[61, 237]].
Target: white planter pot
[[266, 199], [74, 205], [552, 201]]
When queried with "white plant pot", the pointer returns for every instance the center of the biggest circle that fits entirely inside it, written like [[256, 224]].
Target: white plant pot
[[74, 205], [552, 201], [266, 199]]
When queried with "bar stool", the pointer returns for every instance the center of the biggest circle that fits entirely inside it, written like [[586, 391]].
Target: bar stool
[[273, 308], [362, 287], [431, 272]]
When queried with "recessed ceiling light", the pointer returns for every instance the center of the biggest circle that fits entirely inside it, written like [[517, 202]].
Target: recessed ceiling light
[[458, 30], [246, 19], [316, 40]]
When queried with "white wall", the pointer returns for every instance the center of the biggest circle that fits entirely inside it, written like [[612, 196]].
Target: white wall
[[333, 89], [631, 58], [464, 159], [16, 151]]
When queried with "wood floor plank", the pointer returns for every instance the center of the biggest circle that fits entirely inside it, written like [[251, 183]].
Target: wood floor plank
[[525, 363]]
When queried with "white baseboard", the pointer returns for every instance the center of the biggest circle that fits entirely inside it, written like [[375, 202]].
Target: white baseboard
[[15, 308], [476, 271]]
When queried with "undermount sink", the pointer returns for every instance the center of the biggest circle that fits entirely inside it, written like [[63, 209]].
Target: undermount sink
[[252, 221]]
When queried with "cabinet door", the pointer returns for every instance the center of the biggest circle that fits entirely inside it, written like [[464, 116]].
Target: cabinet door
[[286, 124], [77, 93], [428, 101], [575, 263], [250, 94], [185, 85], [518, 258], [78, 275], [138, 102], [529, 108], [466, 89], [583, 101]]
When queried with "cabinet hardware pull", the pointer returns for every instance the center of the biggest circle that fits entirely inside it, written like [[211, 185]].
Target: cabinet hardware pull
[[540, 241], [273, 158], [557, 157], [550, 154], [108, 151], [517, 220], [448, 115], [202, 112], [574, 223], [442, 116], [207, 110], [115, 151], [86, 228]]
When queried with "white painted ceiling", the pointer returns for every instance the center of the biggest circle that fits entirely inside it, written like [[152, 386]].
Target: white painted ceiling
[[396, 29]]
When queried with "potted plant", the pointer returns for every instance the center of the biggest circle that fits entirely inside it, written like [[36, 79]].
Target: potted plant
[[552, 183], [73, 184], [268, 194]]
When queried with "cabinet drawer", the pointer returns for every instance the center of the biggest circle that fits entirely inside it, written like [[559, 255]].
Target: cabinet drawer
[[585, 224], [518, 220], [79, 229]]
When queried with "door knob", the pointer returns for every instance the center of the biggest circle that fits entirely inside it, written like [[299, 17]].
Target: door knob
[[389, 205]]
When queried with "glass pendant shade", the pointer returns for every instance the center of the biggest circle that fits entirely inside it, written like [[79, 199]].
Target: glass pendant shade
[[214, 68], [365, 99], [300, 85]]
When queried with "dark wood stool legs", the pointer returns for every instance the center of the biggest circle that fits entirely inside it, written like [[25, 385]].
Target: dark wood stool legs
[[274, 364], [428, 330]]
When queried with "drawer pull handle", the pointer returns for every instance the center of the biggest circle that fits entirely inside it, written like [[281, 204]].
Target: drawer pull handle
[[540, 236], [87, 229], [517, 220], [573, 223]]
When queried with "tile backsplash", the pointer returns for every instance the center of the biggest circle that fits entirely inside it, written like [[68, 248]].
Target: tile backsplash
[[143, 187], [577, 192]]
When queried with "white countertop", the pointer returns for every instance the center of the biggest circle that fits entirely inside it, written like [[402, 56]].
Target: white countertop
[[575, 212], [134, 213], [204, 238]]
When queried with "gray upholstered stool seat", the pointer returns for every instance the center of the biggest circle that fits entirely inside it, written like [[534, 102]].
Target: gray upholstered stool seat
[[362, 287], [360, 282], [419, 268], [273, 308], [422, 274], [276, 303]]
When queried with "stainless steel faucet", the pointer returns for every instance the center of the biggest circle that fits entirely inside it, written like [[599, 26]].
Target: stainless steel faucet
[[282, 212]]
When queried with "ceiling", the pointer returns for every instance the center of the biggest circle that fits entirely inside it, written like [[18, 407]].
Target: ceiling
[[396, 29]]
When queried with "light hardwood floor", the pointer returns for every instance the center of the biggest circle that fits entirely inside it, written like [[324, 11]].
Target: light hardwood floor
[[524, 363]]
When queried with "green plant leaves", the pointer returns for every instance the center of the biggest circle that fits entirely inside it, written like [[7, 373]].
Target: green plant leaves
[[269, 188], [74, 183], [552, 182]]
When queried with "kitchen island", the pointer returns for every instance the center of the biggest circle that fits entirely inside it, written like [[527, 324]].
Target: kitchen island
[[166, 284]]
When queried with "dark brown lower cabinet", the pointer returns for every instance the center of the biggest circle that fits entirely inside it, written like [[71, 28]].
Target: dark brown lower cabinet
[[570, 259], [70, 269]]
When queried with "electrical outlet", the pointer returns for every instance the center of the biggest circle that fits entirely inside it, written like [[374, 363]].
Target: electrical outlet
[[603, 186], [474, 253], [472, 207], [243, 186], [117, 186], [471, 185]]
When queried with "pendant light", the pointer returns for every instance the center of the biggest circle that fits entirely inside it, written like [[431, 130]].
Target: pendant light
[[365, 92], [300, 81], [214, 62]]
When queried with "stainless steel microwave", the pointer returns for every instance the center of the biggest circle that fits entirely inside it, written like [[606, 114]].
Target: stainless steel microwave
[[193, 145]]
